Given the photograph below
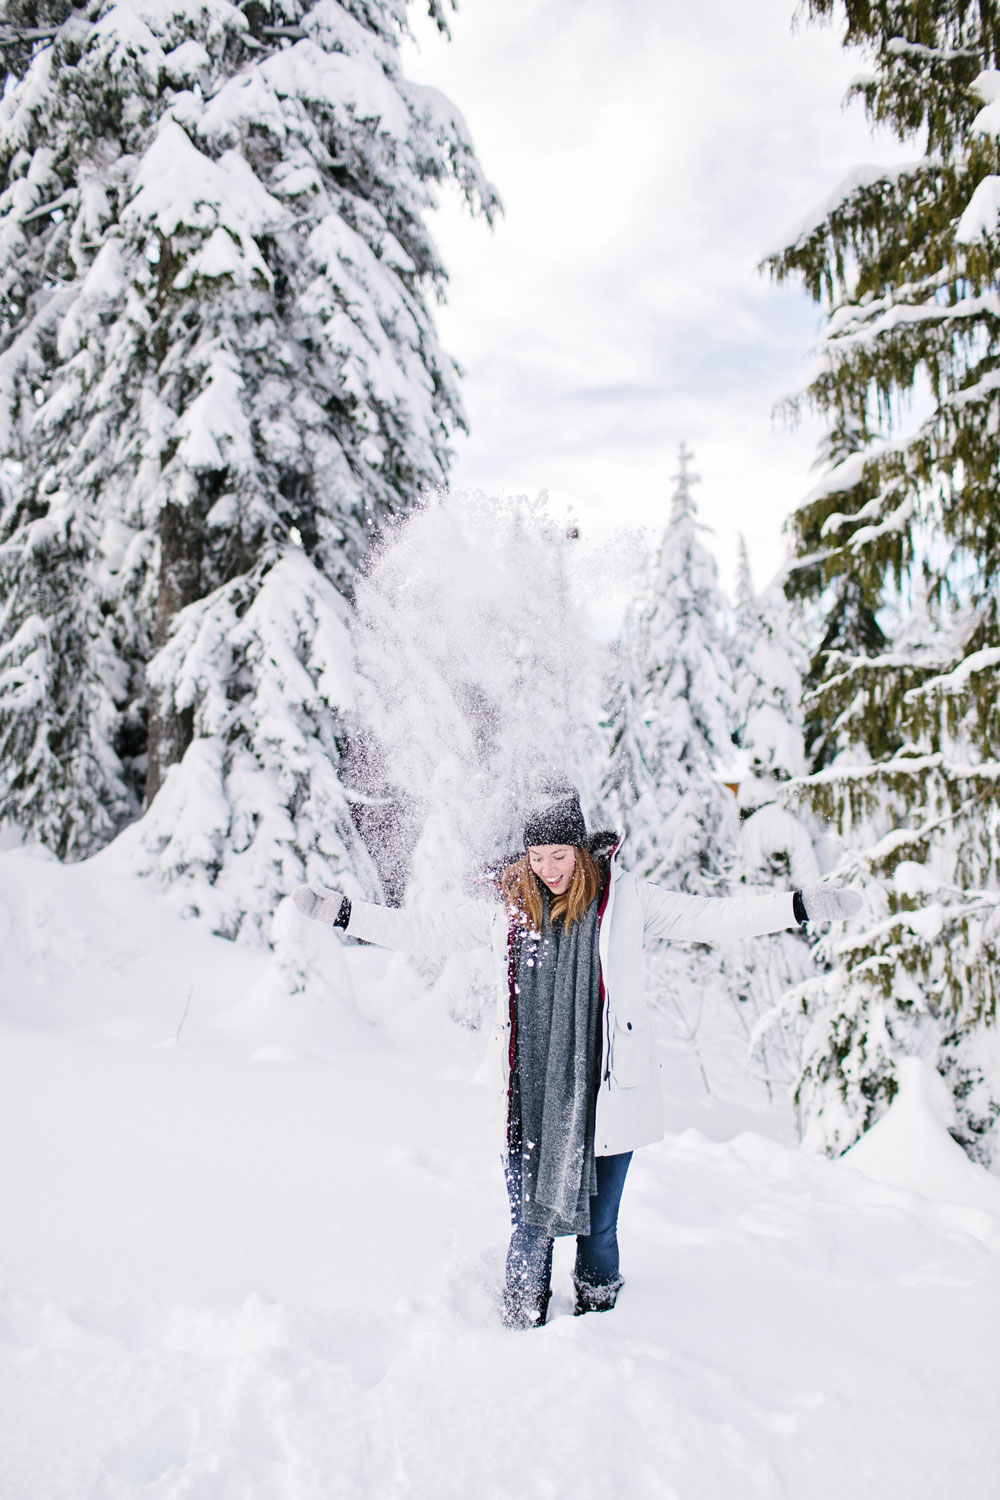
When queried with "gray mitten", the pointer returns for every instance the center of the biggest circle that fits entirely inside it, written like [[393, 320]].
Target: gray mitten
[[830, 903], [322, 906]]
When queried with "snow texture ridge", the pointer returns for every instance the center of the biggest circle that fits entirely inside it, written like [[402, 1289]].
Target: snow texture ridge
[[910, 1146]]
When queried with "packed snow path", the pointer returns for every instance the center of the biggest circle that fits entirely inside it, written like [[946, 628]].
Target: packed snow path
[[259, 1262]]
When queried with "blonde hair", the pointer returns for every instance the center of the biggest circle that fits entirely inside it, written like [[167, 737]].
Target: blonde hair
[[523, 893]]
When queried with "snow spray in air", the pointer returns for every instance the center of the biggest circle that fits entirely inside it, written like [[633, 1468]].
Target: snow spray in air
[[480, 678]]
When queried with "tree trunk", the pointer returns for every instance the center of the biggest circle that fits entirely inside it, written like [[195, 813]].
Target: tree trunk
[[170, 730]]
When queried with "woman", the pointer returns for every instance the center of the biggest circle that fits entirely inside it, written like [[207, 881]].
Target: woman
[[580, 1083]]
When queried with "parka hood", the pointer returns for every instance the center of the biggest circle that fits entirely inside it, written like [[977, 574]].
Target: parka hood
[[604, 843]]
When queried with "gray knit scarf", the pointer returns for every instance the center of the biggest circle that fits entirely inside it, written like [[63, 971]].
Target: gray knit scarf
[[554, 1090]]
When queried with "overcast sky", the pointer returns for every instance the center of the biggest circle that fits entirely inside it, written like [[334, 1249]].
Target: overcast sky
[[648, 153]]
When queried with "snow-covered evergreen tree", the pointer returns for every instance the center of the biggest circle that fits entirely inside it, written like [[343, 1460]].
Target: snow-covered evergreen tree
[[903, 716], [218, 372], [689, 707], [671, 716], [628, 787], [773, 847], [775, 844], [768, 665]]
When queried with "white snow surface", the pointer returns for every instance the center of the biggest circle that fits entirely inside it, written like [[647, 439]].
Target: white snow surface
[[979, 220], [251, 1244], [910, 1146]]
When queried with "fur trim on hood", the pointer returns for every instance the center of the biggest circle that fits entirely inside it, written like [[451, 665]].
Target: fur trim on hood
[[604, 842]]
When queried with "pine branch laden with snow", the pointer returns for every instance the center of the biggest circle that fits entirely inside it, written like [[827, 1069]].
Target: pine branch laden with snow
[[215, 343], [918, 976], [910, 286], [769, 661], [775, 849], [775, 846], [257, 805], [899, 552], [57, 729]]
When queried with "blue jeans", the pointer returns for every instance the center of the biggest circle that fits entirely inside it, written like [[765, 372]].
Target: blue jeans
[[529, 1259]]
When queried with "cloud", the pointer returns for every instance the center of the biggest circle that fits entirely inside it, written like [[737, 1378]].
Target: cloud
[[646, 151]]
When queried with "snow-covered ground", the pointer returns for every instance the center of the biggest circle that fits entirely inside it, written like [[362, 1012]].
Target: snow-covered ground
[[251, 1242]]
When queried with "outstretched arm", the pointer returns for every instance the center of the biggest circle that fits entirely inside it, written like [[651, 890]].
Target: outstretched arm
[[706, 919], [712, 919], [453, 929]]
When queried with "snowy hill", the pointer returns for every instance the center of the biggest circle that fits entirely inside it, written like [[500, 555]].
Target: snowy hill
[[250, 1245]]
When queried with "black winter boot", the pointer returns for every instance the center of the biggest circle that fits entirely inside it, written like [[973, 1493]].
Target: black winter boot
[[590, 1298], [524, 1310]]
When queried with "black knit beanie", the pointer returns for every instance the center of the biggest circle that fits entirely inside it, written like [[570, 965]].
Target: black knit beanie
[[556, 818]]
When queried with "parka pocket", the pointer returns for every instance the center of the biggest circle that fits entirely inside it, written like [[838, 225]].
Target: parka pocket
[[631, 1049]]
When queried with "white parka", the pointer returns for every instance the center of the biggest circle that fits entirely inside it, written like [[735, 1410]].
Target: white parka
[[630, 1097]]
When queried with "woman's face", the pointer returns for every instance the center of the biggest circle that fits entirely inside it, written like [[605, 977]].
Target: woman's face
[[554, 864]]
